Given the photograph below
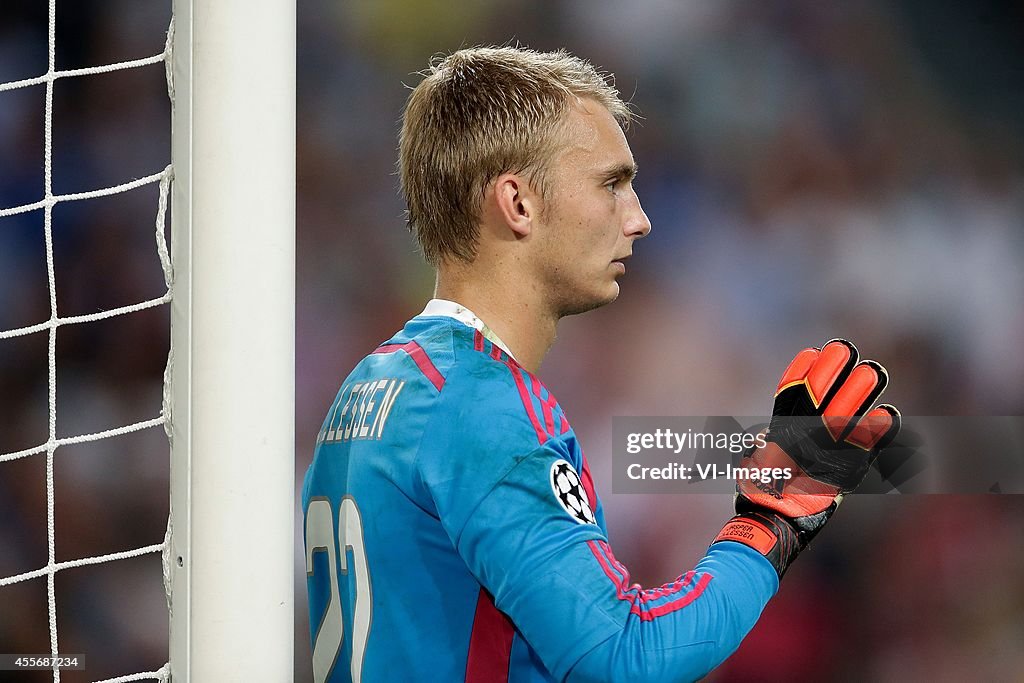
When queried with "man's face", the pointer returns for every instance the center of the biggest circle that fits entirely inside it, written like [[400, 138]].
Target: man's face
[[592, 216]]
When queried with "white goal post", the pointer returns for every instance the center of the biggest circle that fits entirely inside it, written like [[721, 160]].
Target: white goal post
[[231, 553]]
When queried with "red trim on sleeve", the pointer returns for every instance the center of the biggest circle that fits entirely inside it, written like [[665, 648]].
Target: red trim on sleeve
[[547, 404], [677, 604], [524, 395], [637, 596], [546, 428], [420, 357], [490, 643], [588, 482]]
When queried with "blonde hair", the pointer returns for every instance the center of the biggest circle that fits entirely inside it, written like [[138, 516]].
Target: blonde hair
[[478, 113]]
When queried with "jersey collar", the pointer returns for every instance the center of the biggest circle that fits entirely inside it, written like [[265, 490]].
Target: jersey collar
[[451, 309]]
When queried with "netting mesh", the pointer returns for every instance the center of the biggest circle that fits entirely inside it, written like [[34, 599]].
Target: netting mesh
[[57, 322]]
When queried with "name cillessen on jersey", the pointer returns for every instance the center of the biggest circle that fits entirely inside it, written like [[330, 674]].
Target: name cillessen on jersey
[[361, 410]]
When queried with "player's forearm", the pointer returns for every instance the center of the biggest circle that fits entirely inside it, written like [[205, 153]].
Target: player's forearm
[[687, 643]]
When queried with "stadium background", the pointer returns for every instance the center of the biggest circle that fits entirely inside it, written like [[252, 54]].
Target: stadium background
[[810, 169]]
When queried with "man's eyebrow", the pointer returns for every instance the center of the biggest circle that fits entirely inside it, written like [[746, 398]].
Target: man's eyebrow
[[620, 172]]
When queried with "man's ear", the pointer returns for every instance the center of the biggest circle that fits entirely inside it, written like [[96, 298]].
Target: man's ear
[[516, 202]]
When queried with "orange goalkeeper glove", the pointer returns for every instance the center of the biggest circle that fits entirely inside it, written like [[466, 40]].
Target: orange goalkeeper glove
[[825, 435]]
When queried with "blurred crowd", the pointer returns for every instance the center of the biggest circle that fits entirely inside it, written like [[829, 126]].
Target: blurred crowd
[[811, 170]]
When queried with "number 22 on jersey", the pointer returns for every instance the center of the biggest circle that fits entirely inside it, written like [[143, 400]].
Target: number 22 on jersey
[[320, 538]]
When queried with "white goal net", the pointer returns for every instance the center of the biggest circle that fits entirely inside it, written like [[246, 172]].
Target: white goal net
[[62, 431], [102, 340]]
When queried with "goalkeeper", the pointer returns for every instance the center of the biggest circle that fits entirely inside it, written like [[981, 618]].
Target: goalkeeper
[[451, 525]]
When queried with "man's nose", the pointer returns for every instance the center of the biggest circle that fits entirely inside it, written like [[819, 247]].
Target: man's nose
[[638, 225]]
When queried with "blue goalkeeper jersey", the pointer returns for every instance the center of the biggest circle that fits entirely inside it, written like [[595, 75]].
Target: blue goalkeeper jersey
[[453, 533]]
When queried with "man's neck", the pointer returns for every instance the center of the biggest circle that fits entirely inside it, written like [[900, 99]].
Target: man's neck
[[520, 320]]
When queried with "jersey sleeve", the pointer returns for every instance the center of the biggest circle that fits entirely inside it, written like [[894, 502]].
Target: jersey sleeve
[[551, 570], [560, 584]]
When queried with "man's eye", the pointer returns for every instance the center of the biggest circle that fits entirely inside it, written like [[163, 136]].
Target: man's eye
[[613, 185]]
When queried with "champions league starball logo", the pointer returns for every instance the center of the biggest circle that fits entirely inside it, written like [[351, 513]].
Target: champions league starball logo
[[569, 492]]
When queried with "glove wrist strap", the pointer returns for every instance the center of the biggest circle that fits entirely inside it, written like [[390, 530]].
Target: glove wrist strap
[[766, 532]]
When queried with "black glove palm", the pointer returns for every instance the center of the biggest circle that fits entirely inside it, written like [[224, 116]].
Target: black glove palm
[[823, 430]]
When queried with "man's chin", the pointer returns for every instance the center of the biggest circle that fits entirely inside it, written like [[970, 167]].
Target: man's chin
[[582, 304]]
